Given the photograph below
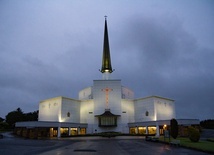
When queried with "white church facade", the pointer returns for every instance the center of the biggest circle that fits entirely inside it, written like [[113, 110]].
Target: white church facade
[[107, 106]]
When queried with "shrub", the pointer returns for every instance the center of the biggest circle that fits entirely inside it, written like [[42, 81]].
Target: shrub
[[174, 128], [4, 126], [194, 134]]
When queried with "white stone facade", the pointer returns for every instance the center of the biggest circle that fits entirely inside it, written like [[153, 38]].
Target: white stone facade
[[154, 108], [59, 109], [95, 100]]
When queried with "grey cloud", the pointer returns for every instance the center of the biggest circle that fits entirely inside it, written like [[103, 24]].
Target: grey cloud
[[51, 49], [170, 63]]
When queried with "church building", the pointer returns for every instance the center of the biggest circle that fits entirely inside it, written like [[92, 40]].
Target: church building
[[106, 106]]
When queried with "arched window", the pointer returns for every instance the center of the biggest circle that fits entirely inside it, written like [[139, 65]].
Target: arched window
[[68, 114], [147, 113]]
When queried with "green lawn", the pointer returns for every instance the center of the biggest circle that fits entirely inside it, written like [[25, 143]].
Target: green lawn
[[201, 145]]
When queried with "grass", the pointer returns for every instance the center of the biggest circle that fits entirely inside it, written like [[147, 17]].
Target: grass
[[202, 145]]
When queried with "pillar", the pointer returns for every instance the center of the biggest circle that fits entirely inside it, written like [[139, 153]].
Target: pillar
[[157, 130], [147, 130], [78, 131], [58, 132], [69, 131], [136, 129]]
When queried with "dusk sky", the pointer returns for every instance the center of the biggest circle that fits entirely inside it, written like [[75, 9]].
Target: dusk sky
[[51, 48]]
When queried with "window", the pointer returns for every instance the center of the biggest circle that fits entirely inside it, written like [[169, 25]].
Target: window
[[68, 114], [107, 121], [147, 113]]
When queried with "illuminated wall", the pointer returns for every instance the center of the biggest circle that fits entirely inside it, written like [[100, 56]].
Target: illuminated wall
[[59, 109], [87, 108], [70, 111], [127, 114], [114, 96], [127, 93], [86, 94], [114, 100], [154, 108], [127, 111], [87, 114], [144, 109], [50, 109], [165, 109], [94, 100]]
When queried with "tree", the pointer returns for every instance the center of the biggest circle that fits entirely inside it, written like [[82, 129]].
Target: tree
[[207, 124], [1, 119], [13, 117], [31, 116], [174, 128], [4, 126], [18, 116]]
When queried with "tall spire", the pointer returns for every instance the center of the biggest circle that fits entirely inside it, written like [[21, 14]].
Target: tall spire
[[106, 62]]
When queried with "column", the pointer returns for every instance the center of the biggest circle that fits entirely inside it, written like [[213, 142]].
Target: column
[[58, 132], [69, 131], [157, 130], [136, 129], [78, 131], [147, 130]]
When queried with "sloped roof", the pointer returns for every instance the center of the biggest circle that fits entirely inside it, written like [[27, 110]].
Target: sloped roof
[[107, 113]]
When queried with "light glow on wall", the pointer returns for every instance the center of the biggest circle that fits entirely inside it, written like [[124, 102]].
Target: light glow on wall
[[165, 127], [155, 116], [164, 110], [59, 117]]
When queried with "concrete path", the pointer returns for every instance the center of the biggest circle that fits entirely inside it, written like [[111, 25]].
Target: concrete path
[[122, 145]]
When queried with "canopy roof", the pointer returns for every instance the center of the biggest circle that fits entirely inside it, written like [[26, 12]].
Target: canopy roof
[[107, 113]]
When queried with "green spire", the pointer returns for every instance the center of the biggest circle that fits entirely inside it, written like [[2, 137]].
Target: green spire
[[106, 62]]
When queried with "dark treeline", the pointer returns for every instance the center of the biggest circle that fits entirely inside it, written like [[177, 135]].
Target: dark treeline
[[17, 116], [207, 124]]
